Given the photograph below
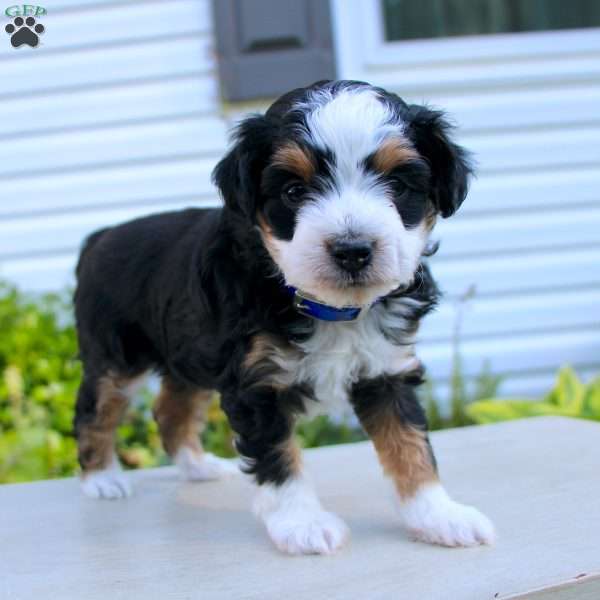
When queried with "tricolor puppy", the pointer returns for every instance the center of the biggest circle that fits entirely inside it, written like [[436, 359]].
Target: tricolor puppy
[[301, 295]]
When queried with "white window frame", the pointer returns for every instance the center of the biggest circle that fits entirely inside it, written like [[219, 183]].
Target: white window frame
[[362, 49]]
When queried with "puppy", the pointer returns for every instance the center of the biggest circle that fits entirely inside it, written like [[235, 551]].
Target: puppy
[[301, 295]]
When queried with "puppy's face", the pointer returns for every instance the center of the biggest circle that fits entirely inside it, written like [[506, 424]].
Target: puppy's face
[[344, 181]]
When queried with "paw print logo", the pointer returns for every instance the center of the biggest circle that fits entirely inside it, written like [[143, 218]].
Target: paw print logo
[[24, 32]]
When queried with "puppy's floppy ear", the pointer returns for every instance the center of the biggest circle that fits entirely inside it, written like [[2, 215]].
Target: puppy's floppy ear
[[238, 174], [450, 164]]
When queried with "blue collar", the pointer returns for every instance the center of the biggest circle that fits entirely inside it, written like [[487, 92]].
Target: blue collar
[[311, 307]]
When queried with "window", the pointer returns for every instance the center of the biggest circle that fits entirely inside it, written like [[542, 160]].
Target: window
[[419, 66], [423, 19]]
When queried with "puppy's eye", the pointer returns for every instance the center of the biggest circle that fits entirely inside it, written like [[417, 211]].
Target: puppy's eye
[[399, 188], [293, 194]]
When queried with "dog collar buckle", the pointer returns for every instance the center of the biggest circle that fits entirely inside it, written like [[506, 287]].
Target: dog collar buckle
[[311, 307]]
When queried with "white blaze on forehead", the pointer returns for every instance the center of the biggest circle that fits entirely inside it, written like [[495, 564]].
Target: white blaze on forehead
[[352, 124]]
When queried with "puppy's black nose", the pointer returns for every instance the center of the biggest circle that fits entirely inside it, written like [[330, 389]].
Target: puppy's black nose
[[352, 255]]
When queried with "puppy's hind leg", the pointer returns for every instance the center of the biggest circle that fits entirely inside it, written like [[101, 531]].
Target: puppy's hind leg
[[179, 411], [101, 402]]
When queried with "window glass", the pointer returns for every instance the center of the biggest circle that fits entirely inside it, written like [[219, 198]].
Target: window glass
[[415, 19]]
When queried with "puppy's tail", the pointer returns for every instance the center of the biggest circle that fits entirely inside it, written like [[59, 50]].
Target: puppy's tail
[[88, 245]]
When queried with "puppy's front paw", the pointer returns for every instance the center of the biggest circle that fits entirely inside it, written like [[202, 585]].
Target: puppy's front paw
[[433, 517], [109, 483], [296, 521], [318, 532], [203, 467]]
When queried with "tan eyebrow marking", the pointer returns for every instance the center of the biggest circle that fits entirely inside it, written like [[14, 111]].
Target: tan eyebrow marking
[[296, 159], [393, 152]]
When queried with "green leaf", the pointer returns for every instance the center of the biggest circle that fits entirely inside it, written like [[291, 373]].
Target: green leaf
[[568, 392], [486, 383], [590, 408], [493, 411]]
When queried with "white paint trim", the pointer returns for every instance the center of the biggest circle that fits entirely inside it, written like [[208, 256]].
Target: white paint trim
[[364, 23]]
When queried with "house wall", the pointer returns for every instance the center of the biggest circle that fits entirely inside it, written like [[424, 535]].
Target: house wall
[[118, 114]]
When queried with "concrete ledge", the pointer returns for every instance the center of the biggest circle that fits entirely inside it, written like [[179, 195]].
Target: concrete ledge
[[539, 481]]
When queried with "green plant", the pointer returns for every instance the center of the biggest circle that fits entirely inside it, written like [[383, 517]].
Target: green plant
[[39, 375], [462, 394], [568, 398], [321, 431]]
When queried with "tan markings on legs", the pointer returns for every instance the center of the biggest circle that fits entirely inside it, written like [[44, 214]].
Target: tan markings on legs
[[404, 453], [271, 360], [261, 349], [96, 439], [293, 455], [179, 411]]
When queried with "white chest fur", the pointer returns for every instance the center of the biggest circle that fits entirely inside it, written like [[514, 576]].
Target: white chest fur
[[337, 355]]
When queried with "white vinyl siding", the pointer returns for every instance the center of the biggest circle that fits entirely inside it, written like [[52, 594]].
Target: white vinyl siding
[[118, 114]]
